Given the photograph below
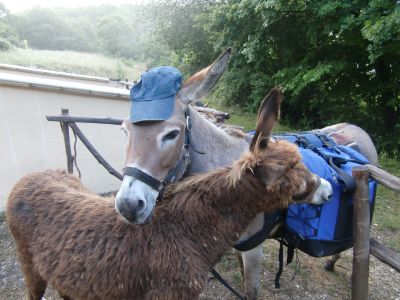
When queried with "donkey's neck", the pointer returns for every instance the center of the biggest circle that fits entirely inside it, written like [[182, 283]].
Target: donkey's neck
[[210, 207], [220, 148]]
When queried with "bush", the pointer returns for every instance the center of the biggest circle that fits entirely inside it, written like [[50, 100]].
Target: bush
[[4, 45]]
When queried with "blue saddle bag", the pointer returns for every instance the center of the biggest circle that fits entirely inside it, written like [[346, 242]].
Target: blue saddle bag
[[322, 230]]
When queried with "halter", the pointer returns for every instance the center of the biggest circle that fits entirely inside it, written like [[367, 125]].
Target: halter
[[175, 173]]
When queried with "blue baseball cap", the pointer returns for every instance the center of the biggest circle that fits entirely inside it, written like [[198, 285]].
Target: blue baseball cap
[[153, 97]]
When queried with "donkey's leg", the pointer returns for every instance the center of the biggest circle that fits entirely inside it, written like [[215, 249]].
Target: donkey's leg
[[240, 261], [252, 261], [329, 264], [34, 283]]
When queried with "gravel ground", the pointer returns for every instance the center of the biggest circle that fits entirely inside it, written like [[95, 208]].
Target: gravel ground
[[311, 282]]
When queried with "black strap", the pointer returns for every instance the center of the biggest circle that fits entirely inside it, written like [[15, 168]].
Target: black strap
[[270, 220], [179, 170], [226, 284], [289, 259], [144, 177], [279, 273], [188, 131], [290, 255], [349, 182], [333, 161]]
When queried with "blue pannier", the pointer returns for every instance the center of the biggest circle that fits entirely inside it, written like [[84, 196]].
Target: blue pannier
[[322, 230]]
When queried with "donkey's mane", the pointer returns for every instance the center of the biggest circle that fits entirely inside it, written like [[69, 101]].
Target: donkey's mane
[[231, 130], [279, 153]]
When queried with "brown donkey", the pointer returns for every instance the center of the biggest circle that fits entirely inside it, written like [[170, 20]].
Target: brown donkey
[[75, 240]]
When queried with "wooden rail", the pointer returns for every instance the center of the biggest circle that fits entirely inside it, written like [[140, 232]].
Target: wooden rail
[[384, 178], [67, 122], [66, 118], [363, 245]]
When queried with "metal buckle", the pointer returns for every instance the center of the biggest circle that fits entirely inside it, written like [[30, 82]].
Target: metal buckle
[[188, 123]]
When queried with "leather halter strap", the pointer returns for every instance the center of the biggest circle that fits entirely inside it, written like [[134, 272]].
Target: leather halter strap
[[144, 177], [175, 173]]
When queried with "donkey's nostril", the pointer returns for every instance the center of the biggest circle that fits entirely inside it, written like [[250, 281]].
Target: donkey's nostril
[[130, 209], [134, 205], [141, 205]]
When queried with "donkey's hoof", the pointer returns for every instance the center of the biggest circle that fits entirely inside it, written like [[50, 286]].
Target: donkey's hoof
[[329, 266]]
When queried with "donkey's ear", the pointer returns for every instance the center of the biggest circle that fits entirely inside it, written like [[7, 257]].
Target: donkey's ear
[[199, 84], [268, 115]]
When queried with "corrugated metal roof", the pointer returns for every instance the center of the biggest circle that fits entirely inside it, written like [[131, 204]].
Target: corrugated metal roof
[[62, 86]]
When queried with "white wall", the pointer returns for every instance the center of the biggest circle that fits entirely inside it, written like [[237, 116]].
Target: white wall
[[28, 142]]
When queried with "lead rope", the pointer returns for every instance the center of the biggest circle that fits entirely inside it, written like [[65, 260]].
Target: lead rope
[[75, 155], [226, 284]]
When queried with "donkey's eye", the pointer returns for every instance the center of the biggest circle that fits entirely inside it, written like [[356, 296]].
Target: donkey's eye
[[170, 135], [263, 144]]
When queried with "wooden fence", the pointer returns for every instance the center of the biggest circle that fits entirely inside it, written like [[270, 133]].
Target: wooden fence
[[363, 244]]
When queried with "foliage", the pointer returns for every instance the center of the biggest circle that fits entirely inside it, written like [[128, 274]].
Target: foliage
[[176, 27], [336, 60], [4, 44], [8, 35], [119, 31]]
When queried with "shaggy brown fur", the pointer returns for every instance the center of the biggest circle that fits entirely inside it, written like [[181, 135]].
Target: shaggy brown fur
[[74, 240]]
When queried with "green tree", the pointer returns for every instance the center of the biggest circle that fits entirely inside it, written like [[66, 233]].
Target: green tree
[[336, 60], [178, 29], [8, 35]]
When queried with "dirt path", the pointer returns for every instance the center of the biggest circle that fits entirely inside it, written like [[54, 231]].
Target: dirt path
[[311, 282]]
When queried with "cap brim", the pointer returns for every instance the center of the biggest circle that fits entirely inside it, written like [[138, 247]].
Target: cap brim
[[154, 110]]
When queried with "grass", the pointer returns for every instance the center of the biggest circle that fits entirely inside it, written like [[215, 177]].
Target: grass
[[74, 62], [386, 222], [242, 118]]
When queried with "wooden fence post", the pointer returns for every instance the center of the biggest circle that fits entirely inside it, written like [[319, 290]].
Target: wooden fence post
[[67, 143], [361, 224]]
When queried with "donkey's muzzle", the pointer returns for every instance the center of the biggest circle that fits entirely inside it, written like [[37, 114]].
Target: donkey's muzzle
[[132, 210]]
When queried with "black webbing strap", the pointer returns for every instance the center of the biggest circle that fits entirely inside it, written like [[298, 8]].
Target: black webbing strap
[[144, 177], [289, 259], [179, 170], [226, 284], [279, 273], [290, 255], [348, 180], [270, 220], [333, 161], [188, 131]]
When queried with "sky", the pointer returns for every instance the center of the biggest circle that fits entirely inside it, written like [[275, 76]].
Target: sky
[[16, 6]]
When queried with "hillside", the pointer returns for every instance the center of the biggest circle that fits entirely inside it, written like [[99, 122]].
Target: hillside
[[74, 62]]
